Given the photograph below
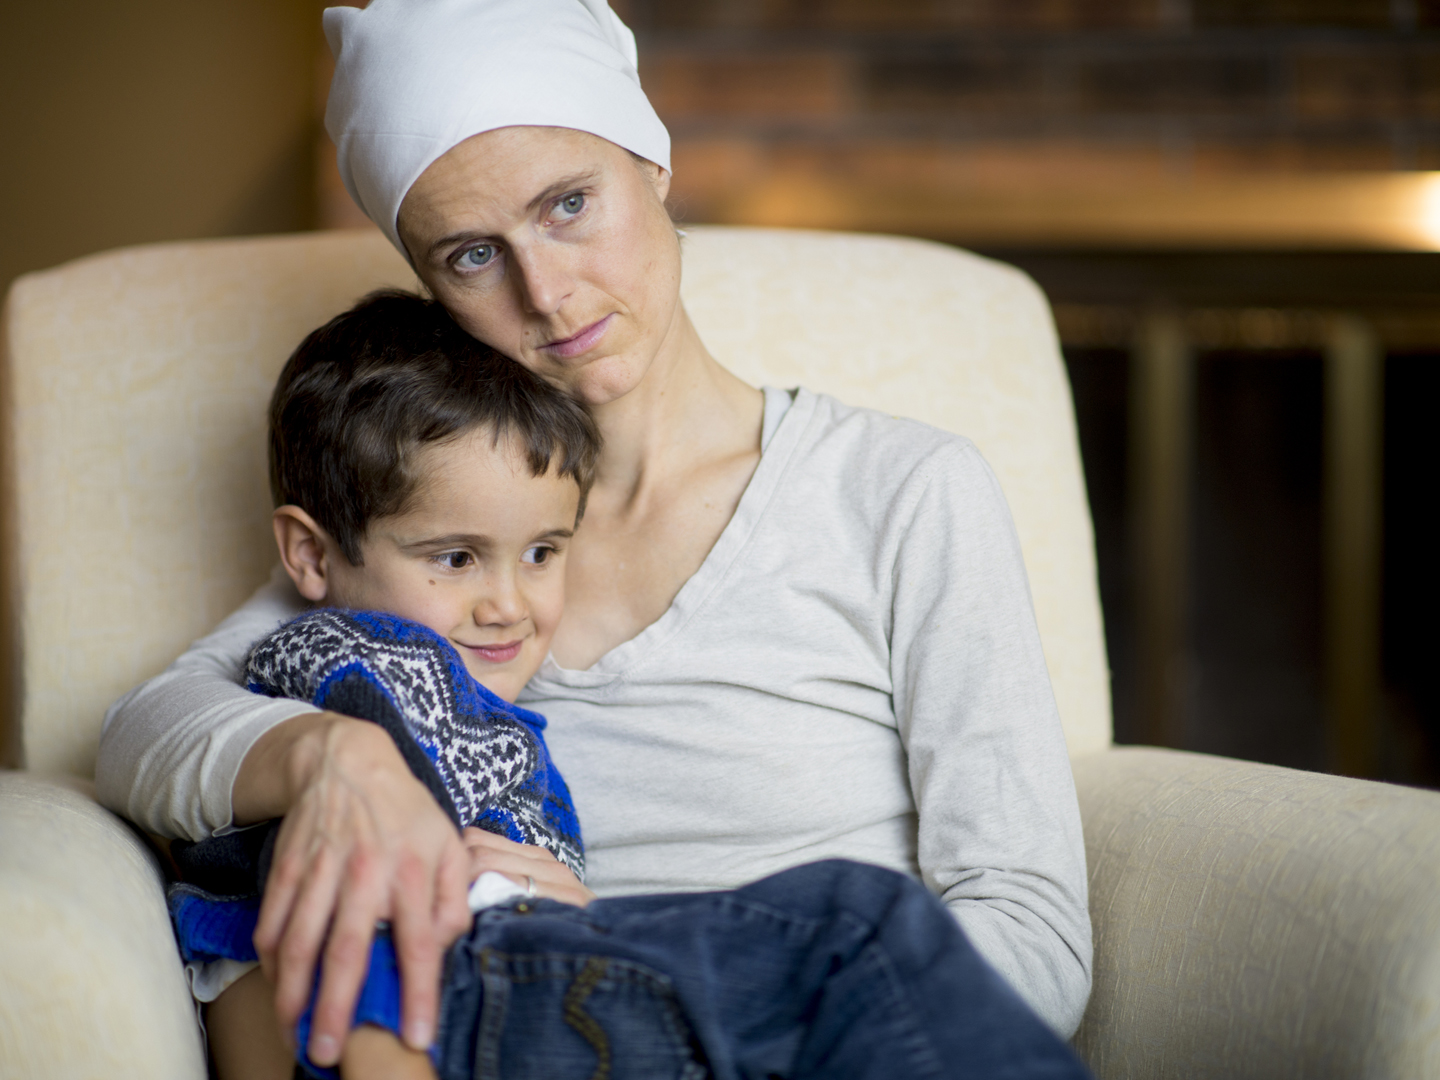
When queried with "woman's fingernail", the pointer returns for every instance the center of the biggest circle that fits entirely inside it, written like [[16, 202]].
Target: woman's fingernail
[[324, 1050], [417, 1034]]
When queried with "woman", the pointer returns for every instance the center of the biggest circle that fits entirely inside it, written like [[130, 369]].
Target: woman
[[796, 630]]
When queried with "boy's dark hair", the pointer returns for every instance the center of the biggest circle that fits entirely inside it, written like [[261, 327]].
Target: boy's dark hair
[[391, 375]]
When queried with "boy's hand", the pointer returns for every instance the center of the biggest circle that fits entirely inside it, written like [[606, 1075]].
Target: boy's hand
[[553, 879], [362, 840]]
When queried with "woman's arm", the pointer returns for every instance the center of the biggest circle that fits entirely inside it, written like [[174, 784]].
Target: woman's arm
[[171, 748], [999, 825], [192, 752]]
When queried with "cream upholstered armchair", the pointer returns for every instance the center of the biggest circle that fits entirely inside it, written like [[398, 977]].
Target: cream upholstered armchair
[[1249, 921]]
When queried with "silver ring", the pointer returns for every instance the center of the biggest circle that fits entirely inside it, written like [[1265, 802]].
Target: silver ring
[[530, 887]]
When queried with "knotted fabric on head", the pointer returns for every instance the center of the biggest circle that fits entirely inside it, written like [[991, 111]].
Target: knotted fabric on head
[[415, 77]]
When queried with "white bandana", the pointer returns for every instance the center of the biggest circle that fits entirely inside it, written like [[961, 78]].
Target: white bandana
[[415, 77]]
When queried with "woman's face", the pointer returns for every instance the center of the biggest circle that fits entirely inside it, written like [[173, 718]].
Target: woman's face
[[554, 247]]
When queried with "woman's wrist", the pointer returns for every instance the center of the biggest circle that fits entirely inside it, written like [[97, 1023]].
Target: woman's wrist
[[285, 761]]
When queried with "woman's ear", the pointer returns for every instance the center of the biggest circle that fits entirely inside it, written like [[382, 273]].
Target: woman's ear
[[305, 550], [658, 178]]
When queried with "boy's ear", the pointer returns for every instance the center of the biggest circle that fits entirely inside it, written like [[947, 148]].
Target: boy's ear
[[305, 550]]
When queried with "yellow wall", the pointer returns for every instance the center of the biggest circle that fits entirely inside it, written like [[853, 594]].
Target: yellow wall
[[129, 121], [126, 122]]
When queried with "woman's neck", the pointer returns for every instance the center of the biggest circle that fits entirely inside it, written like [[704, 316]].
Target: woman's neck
[[680, 449], [688, 411]]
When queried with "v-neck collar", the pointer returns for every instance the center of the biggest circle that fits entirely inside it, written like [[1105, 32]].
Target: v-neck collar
[[778, 443]]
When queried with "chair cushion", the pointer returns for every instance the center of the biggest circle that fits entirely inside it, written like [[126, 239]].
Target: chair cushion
[[93, 986], [1257, 923]]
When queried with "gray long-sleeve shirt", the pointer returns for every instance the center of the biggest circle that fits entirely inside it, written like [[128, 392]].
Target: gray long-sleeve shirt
[[854, 672]]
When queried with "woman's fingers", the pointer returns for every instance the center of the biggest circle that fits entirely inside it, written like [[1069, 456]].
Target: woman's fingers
[[452, 895], [523, 863], [287, 873], [362, 841], [361, 901], [478, 837], [417, 949], [479, 840], [298, 951], [292, 947]]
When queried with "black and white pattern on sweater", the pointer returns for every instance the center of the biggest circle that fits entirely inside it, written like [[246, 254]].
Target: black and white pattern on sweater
[[332, 658]]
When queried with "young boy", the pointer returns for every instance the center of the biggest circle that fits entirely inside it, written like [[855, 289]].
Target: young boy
[[419, 474], [427, 489]]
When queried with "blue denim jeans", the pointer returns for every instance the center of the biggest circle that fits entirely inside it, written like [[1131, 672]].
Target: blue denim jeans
[[834, 970]]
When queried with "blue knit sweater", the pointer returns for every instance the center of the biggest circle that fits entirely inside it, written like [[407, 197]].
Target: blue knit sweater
[[484, 760]]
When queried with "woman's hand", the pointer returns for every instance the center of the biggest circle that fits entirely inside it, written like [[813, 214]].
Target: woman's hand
[[553, 879], [362, 840]]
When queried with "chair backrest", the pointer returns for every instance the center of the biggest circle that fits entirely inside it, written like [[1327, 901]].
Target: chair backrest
[[138, 379]]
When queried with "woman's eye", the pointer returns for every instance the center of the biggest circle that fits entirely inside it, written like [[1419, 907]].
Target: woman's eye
[[570, 205], [455, 560], [476, 257], [538, 555]]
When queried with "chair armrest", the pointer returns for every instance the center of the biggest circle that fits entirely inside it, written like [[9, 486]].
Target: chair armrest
[[93, 984], [1253, 921]]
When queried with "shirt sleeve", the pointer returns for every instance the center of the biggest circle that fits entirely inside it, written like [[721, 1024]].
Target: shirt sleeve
[[999, 836], [171, 748]]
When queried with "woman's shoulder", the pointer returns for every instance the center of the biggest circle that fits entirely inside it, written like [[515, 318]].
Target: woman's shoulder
[[858, 441], [873, 483]]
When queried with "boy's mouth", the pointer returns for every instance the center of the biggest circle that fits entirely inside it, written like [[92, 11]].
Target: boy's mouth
[[497, 654]]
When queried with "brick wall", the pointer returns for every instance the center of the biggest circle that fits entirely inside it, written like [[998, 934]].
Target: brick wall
[[999, 92]]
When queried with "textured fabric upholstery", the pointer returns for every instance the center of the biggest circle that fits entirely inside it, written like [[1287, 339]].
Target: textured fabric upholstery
[[138, 382], [1258, 922], [92, 986]]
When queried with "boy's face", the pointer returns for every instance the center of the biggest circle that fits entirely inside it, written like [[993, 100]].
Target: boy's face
[[478, 557]]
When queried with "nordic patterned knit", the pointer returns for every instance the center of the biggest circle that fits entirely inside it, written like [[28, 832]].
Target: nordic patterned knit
[[483, 759]]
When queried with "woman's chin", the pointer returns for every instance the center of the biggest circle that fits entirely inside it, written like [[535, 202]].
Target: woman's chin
[[603, 381]]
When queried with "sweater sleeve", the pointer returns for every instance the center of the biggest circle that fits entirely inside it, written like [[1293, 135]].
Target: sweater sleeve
[[172, 747], [999, 825]]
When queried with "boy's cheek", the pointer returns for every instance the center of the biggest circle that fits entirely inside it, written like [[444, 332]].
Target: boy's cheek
[[547, 607], [421, 602]]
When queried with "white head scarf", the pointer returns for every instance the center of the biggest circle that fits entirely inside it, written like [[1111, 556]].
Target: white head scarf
[[415, 77]]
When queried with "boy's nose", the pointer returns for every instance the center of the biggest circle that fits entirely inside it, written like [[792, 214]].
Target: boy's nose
[[500, 607]]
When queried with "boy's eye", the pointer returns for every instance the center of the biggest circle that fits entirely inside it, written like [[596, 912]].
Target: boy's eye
[[478, 256], [570, 205], [537, 555], [455, 560]]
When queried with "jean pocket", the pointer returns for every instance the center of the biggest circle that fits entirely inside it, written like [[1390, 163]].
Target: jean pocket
[[580, 1017]]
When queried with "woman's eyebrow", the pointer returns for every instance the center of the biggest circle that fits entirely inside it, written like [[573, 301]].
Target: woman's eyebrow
[[563, 185], [454, 238], [559, 187]]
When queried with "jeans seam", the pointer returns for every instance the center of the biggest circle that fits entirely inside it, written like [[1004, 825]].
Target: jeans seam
[[589, 1029], [494, 1004], [919, 1045], [497, 976]]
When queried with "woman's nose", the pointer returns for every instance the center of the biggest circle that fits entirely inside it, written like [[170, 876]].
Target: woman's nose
[[544, 280]]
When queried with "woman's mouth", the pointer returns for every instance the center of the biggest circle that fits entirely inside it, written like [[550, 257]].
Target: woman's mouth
[[497, 654], [583, 342]]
